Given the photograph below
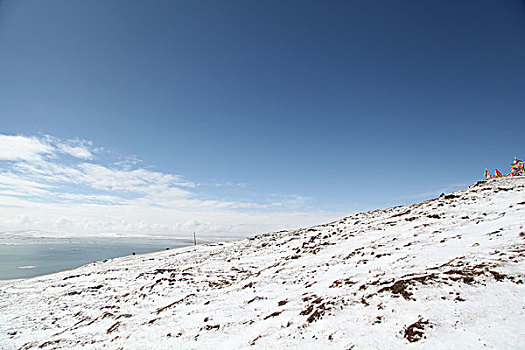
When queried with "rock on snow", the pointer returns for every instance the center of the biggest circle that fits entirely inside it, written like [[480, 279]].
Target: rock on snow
[[445, 273]]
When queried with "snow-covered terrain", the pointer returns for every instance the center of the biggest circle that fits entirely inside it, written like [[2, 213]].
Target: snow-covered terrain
[[445, 273]]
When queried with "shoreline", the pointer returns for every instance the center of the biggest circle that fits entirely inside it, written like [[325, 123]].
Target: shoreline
[[47, 258]]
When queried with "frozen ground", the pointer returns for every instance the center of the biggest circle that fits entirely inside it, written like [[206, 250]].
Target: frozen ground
[[442, 274]]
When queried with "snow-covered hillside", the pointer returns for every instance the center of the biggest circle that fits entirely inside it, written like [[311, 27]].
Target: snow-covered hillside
[[445, 273]]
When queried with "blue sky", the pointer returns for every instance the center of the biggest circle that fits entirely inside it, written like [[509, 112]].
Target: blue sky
[[322, 107]]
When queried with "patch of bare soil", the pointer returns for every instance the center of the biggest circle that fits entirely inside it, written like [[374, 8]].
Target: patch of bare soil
[[415, 332]]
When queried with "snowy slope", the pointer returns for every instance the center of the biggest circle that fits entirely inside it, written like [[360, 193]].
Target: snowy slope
[[445, 273]]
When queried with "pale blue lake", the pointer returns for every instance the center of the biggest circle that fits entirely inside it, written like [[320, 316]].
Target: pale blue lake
[[28, 257]]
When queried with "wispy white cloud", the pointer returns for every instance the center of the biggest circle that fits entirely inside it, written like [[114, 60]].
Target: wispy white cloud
[[49, 184], [78, 148], [128, 162], [91, 197], [18, 185], [293, 201], [21, 148], [230, 184], [135, 180], [76, 151]]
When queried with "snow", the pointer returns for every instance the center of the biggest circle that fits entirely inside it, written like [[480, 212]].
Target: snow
[[441, 274]]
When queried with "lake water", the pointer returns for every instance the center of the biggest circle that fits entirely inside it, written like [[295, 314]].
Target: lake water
[[23, 258]]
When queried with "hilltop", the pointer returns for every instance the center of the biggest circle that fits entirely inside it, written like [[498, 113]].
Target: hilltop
[[445, 273]]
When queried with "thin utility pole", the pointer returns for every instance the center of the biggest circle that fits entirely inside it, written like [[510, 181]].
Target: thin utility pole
[[194, 239]]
